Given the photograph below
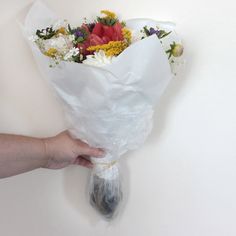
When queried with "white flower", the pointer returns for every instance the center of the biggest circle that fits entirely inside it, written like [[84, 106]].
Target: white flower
[[61, 44], [71, 53], [98, 59]]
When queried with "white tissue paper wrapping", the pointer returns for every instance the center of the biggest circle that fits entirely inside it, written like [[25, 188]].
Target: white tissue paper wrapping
[[110, 107]]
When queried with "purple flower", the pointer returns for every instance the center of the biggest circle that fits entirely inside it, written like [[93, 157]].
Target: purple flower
[[153, 31], [79, 33]]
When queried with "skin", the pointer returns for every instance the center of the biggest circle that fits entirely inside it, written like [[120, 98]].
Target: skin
[[19, 154]]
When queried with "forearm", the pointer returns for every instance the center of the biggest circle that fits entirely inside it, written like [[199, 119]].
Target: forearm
[[20, 154]]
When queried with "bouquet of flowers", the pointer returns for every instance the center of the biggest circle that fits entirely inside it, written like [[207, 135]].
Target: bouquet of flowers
[[108, 74]]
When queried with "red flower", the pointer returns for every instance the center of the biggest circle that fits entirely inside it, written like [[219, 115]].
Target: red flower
[[102, 34], [108, 33]]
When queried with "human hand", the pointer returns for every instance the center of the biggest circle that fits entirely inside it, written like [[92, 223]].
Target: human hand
[[62, 150]]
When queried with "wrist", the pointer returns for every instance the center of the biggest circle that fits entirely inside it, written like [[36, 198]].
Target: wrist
[[47, 154]]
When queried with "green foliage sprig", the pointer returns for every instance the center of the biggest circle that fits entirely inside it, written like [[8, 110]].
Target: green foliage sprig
[[46, 33]]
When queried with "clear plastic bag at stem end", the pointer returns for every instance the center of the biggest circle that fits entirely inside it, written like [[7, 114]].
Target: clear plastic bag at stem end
[[105, 189]]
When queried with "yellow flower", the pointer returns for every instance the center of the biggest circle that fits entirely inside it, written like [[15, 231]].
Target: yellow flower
[[61, 30], [109, 14], [51, 52], [113, 48], [127, 35]]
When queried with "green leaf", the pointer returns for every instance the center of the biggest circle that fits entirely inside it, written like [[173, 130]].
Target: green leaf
[[113, 21], [146, 31], [123, 23], [70, 30], [80, 39]]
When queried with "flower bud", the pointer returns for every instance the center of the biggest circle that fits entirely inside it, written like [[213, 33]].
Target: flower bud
[[177, 50]]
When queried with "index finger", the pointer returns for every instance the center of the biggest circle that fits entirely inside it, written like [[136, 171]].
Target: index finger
[[90, 151]]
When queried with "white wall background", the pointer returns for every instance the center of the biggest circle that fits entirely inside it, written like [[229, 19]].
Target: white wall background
[[181, 182]]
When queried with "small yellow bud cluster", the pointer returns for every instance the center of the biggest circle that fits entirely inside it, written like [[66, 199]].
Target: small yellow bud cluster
[[61, 30], [127, 35], [113, 48], [109, 14], [51, 52]]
